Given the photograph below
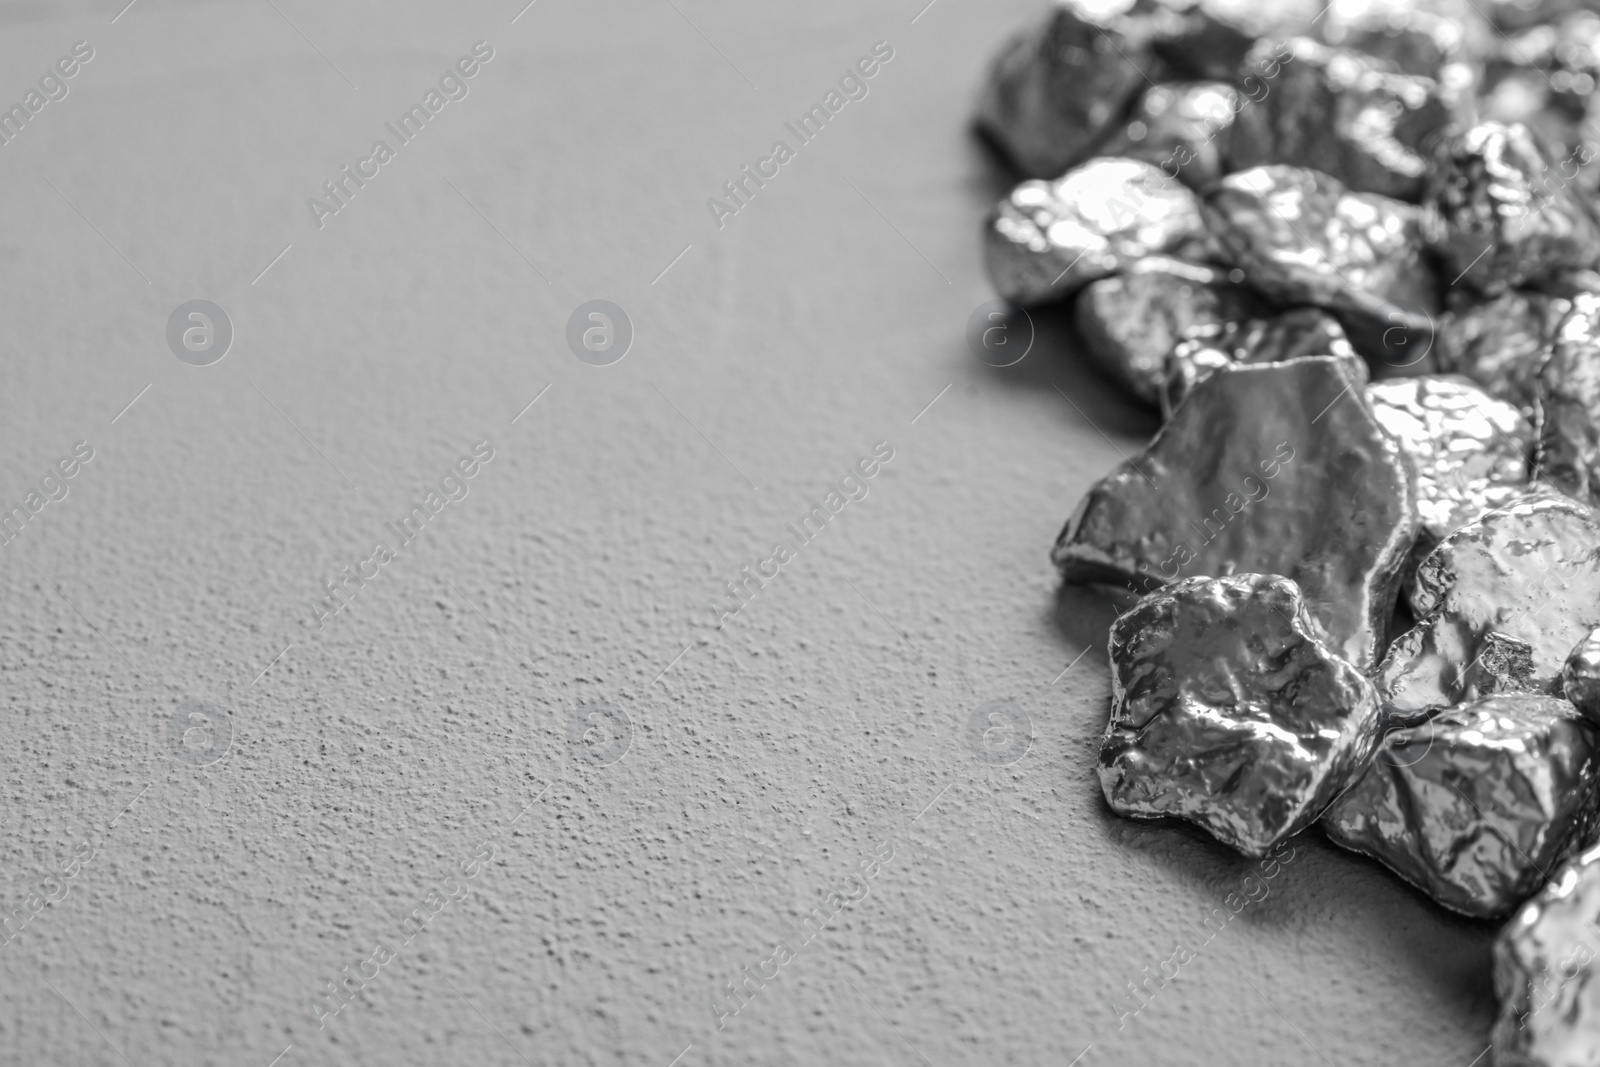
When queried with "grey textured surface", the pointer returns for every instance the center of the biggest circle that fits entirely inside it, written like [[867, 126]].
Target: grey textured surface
[[774, 756]]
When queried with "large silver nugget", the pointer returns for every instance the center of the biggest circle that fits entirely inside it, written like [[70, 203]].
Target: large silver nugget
[[1055, 91], [1130, 322], [1476, 805], [1500, 342], [1047, 240], [1569, 403], [1342, 113], [1545, 974], [1472, 453], [1501, 221], [1227, 710], [1301, 237], [1274, 468], [1529, 572]]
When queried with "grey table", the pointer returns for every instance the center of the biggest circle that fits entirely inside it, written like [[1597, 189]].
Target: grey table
[[530, 794]]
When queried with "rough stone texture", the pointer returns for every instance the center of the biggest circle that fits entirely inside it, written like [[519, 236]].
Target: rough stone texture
[[1476, 805], [1301, 237], [1569, 403], [1472, 453], [1182, 129], [1341, 113], [1545, 974], [1277, 468], [768, 762], [1500, 342], [1508, 666], [1229, 712], [1504, 218], [1131, 322], [1046, 240], [1529, 571], [1580, 677]]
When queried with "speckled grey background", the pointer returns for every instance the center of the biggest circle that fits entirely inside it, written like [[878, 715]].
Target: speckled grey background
[[826, 724]]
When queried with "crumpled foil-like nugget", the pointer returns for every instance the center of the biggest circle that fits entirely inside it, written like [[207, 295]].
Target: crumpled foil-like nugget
[[1047, 240], [1472, 453], [1474, 806], [1499, 221], [1227, 710], [1301, 237], [1528, 573], [1545, 974]]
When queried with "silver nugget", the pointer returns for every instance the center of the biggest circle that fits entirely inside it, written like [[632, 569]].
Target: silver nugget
[[1475, 805], [1047, 240], [1229, 711], [1545, 974]]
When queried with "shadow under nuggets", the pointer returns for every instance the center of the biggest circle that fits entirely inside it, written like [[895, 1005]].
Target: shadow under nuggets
[[1058, 364]]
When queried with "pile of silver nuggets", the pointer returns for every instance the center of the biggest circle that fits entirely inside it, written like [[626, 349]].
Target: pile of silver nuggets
[[1350, 253]]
